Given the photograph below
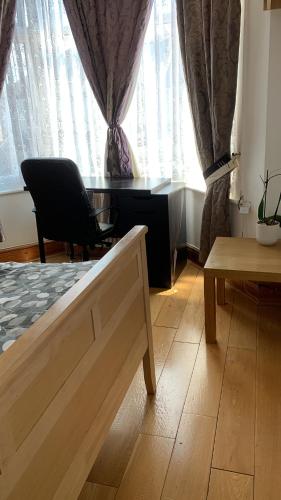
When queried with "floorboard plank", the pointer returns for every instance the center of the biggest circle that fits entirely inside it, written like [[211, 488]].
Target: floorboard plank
[[114, 456], [197, 383], [234, 444], [162, 340], [189, 469], [164, 409], [243, 331], [157, 300], [268, 423], [172, 310], [146, 471], [192, 322], [226, 485], [204, 392], [97, 492]]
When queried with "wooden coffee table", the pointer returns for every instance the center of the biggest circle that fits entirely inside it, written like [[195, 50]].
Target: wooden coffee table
[[236, 259]]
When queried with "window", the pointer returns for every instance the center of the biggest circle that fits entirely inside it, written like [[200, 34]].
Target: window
[[47, 107], [159, 124]]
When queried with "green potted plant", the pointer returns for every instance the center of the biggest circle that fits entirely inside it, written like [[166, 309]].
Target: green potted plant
[[267, 229]]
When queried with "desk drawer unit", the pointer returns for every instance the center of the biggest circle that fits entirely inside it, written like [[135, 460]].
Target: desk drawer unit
[[162, 214]]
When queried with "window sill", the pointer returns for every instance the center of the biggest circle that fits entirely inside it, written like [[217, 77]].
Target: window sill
[[234, 201], [11, 191], [11, 184], [197, 190]]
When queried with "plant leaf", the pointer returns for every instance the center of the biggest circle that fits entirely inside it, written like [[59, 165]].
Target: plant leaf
[[261, 209]]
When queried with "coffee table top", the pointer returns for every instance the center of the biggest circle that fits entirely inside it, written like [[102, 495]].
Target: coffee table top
[[244, 258]]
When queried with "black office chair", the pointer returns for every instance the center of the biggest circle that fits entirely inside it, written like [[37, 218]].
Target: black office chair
[[62, 208]]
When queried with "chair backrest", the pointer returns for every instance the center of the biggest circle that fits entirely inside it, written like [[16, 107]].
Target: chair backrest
[[60, 199]]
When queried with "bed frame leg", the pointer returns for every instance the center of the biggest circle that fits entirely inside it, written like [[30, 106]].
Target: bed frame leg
[[148, 359], [149, 372]]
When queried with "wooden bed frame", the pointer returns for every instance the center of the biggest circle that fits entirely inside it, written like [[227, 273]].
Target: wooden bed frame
[[62, 382]]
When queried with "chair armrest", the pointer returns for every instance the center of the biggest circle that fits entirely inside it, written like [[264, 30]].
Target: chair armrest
[[96, 211]]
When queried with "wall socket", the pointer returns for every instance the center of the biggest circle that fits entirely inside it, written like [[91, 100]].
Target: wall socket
[[244, 206]]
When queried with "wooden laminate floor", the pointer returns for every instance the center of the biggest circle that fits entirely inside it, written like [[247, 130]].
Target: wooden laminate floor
[[213, 430]]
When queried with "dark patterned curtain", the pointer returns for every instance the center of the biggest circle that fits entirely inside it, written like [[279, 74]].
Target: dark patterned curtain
[[209, 32], [7, 25], [109, 36]]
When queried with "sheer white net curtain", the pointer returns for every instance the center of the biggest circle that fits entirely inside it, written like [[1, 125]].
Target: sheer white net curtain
[[47, 107], [159, 124]]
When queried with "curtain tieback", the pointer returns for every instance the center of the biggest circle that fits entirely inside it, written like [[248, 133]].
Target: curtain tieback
[[221, 167], [114, 125]]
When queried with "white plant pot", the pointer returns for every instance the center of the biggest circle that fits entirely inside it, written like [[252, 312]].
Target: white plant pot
[[267, 235]]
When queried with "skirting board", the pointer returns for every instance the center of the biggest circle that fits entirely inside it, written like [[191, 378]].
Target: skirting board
[[263, 294], [29, 252], [189, 252], [272, 4]]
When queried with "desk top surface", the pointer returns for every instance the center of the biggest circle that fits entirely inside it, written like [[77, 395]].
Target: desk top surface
[[106, 184], [238, 257]]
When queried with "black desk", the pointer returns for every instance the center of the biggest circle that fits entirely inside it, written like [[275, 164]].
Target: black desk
[[141, 186], [156, 203]]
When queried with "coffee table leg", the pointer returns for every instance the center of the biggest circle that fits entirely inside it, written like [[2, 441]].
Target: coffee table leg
[[221, 291], [210, 308]]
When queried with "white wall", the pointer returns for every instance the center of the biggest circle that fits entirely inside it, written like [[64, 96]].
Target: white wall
[[17, 219], [273, 131], [261, 130], [194, 209], [194, 201], [254, 107]]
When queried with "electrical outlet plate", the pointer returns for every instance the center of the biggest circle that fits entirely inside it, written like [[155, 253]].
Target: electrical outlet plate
[[244, 207]]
